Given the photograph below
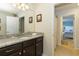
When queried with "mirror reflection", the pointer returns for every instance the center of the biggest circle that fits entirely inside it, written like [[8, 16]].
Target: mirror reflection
[[10, 22]]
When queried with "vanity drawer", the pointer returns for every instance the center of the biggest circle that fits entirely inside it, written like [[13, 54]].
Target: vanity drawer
[[10, 49], [29, 42]]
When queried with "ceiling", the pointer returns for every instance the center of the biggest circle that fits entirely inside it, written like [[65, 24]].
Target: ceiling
[[9, 7], [65, 6]]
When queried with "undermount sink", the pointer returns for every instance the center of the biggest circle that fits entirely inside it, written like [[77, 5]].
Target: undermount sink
[[34, 33], [13, 37], [24, 37]]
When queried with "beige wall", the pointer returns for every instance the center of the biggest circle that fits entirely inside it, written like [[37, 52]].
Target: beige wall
[[31, 26], [28, 26], [3, 21], [56, 32], [46, 26]]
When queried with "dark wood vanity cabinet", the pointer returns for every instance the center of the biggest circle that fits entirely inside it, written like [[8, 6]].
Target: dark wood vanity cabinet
[[15, 49], [29, 48], [18, 53], [29, 51], [33, 47], [39, 46]]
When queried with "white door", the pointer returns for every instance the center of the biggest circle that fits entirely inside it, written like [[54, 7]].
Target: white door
[[57, 31], [76, 31]]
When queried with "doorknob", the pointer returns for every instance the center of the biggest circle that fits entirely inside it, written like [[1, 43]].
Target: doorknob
[[19, 53]]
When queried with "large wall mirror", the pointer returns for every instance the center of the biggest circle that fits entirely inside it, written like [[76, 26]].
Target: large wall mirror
[[14, 25], [12, 20]]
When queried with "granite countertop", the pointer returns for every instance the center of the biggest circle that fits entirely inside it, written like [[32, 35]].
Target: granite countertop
[[17, 39]]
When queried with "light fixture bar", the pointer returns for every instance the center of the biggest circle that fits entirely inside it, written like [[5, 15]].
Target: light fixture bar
[[22, 6]]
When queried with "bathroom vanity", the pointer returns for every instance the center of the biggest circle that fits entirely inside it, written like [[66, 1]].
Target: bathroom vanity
[[23, 45]]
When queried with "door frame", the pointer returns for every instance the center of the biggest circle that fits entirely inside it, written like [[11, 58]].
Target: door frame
[[61, 33], [57, 29]]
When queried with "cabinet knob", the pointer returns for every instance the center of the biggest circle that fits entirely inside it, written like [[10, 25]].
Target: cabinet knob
[[19, 53]]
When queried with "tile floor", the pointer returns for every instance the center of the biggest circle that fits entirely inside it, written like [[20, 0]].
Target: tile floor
[[68, 42], [66, 50]]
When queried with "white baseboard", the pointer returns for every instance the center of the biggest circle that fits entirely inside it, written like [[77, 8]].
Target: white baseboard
[[47, 55], [44, 55]]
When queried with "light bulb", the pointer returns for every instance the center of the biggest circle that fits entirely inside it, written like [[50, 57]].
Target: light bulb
[[23, 9], [22, 5], [26, 7], [19, 7]]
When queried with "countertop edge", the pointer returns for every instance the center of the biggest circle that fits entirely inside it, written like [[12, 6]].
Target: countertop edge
[[17, 41]]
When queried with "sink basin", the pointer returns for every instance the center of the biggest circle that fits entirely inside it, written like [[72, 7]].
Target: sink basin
[[34, 33], [24, 37], [13, 37]]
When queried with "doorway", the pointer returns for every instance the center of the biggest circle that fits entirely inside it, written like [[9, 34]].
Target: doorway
[[67, 31], [21, 24]]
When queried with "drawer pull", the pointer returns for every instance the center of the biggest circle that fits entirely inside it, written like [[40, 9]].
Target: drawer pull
[[9, 50], [19, 53]]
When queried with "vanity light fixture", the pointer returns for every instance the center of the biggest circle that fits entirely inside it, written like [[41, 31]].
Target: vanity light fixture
[[21, 6]]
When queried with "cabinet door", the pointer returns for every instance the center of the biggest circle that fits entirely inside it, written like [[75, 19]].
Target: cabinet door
[[18, 53], [6, 51], [29, 51], [39, 48]]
